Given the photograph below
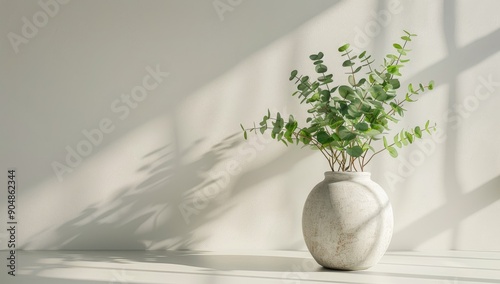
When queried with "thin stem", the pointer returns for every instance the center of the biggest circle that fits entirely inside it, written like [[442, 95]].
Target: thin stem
[[352, 71], [392, 111], [399, 57], [385, 148]]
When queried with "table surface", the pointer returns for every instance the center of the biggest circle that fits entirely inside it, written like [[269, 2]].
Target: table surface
[[86, 267]]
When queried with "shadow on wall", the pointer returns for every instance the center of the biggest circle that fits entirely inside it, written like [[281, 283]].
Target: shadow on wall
[[145, 215], [448, 216], [166, 209], [458, 206]]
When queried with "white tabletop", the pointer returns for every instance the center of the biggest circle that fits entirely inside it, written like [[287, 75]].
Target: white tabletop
[[86, 267]]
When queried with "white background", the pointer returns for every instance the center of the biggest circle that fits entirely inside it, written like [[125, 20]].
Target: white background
[[172, 174]]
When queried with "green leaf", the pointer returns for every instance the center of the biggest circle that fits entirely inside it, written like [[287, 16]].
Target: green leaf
[[397, 142], [409, 34], [343, 47], [392, 57], [325, 95], [336, 124], [366, 60], [354, 151], [376, 78], [335, 137], [408, 99], [361, 82], [344, 91], [378, 93], [418, 132], [385, 142], [397, 46], [361, 126], [410, 89], [380, 128], [431, 85], [394, 70], [403, 138], [409, 137], [404, 141], [427, 126], [406, 38], [302, 87], [313, 57], [320, 55], [351, 81], [372, 132], [305, 136], [245, 135], [323, 137], [421, 87], [242, 128], [320, 68], [394, 83], [293, 74], [313, 98], [280, 135], [362, 54], [354, 111], [347, 63], [325, 78], [278, 124], [392, 151], [345, 134]]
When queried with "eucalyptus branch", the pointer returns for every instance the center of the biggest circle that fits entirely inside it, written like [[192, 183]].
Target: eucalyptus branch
[[391, 145], [344, 121]]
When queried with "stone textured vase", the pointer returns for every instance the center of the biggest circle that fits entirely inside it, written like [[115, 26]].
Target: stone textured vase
[[347, 221]]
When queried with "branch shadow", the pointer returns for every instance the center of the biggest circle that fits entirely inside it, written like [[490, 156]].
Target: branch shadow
[[458, 206], [449, 215], [144, 214]]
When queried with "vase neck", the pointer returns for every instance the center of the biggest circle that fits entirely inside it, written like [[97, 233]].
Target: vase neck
[[342, 176]]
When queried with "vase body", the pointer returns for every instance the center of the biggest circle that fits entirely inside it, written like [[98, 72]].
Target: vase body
[[347, 221]]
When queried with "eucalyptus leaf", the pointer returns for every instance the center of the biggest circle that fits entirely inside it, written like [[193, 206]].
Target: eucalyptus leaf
[[320, 68], [392, 152], [344, 47], [355, 151]]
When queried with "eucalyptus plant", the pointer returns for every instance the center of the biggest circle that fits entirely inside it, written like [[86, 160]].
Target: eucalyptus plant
[[345, 120]]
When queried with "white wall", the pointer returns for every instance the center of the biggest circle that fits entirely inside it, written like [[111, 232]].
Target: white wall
[[171, 174]]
